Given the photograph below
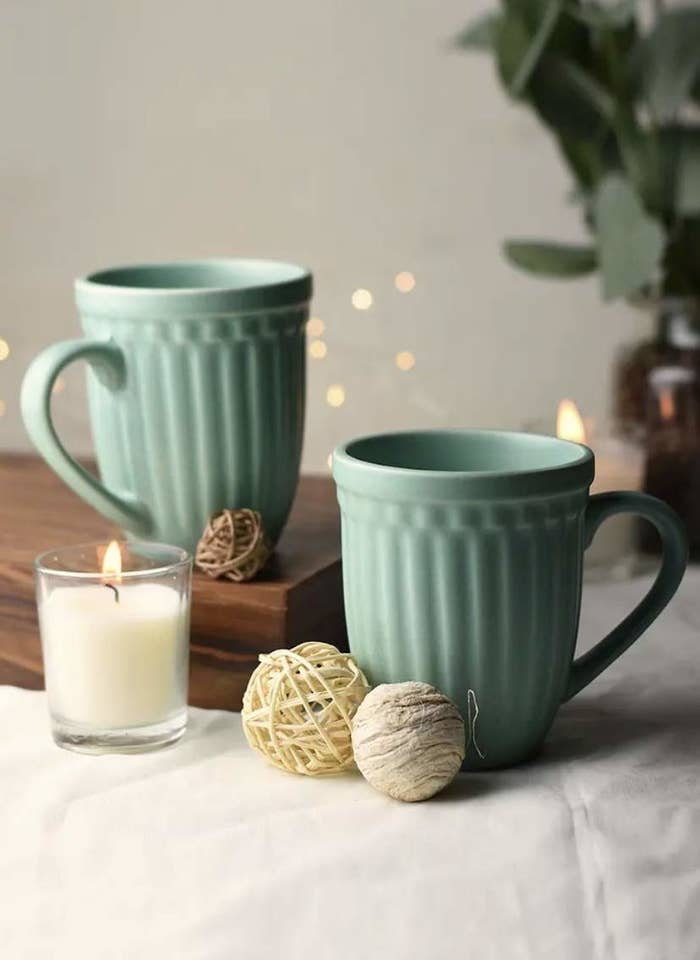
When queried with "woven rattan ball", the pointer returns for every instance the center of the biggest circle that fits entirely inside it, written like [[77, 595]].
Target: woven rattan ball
[[233, 545], [298, 708]]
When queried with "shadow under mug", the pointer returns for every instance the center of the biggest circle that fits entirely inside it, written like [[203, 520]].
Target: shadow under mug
[[196, 387], [462, 567]]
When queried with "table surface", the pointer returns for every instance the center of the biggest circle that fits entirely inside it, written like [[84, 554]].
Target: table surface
[[297, 597], [203, 851]]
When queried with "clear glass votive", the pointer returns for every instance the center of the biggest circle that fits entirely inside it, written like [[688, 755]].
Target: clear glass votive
[[115, 624]]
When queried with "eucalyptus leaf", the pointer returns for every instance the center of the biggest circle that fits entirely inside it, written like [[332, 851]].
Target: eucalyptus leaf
[[532, 11], [603, 16], [569, 100], [668, 60], [678, 147], [687, 198], [480, 34], [536, 47], [584, 158], [630, 242], [638, 152], [512, 41], [586, 87], [617, 82], [551, 259], [660, 196]]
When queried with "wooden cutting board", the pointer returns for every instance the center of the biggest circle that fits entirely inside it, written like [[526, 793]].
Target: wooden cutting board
[[297, 598]]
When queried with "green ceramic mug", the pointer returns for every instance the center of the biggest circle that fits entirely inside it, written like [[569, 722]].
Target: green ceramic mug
[[462, 564], [196, 393]]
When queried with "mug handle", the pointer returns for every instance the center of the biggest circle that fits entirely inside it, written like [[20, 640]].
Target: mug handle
[[107, 360], [675, 556]]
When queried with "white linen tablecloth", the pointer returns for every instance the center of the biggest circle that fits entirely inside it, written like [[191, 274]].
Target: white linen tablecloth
[[204, 851]]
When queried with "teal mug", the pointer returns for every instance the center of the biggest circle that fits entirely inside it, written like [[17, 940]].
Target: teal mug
[[462, 567], [196, 393]]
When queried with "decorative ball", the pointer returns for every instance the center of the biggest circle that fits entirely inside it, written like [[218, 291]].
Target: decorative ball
[[298, 708], [408, 740], [234, 545]]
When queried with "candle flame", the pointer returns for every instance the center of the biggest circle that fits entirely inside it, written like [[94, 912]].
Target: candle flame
[[667, 407], [112, 561], [570, 423]]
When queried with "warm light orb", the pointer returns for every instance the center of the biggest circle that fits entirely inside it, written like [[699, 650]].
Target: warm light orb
[[4, 349], [317, 349], [112, 561], [329, 461], [59, 385], [404, 281], [570, 423], [335, 395], [405, 360], [315, 327], [362, 299], [667, 406], [3, 407]]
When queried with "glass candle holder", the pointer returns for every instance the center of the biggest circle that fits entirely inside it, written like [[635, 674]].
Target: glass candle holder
[[114, 622]]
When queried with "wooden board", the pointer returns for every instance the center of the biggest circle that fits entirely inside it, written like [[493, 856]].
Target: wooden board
[[298, 597]]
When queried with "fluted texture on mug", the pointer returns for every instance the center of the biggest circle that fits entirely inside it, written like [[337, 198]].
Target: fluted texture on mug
[[480, 596], [211, 416]]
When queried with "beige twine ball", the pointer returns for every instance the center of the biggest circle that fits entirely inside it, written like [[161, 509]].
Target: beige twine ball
[[233, 546], [408, 739], [298, 708]]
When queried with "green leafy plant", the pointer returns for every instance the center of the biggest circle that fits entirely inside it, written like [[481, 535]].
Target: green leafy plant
[[618, 87]]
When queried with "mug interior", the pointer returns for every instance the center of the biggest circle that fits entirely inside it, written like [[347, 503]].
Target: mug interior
[[193, 288], [467, 452], [200, 275]]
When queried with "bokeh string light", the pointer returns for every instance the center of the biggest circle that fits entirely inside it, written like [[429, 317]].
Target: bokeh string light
[[335, 395], [405, 360], [362, 299], [315, 327], [404, 281]]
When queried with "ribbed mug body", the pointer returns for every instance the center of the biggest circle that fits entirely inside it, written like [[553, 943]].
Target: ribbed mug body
[[474, 589], [211, 416], [206, 410]]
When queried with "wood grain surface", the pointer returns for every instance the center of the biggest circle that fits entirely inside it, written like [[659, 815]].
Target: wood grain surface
[[297, 598]]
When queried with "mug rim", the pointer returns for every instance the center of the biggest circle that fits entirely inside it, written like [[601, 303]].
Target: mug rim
[[387, 481], [261, 284]]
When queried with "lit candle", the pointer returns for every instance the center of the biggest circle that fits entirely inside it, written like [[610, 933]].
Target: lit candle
[[116, 651]]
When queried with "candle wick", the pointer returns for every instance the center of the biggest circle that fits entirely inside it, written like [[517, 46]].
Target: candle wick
[[110, 586]]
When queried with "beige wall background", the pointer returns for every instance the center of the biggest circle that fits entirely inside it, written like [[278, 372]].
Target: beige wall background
[[348, 136]]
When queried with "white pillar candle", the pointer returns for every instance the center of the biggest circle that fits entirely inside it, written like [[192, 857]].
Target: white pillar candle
[[114, 664]]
